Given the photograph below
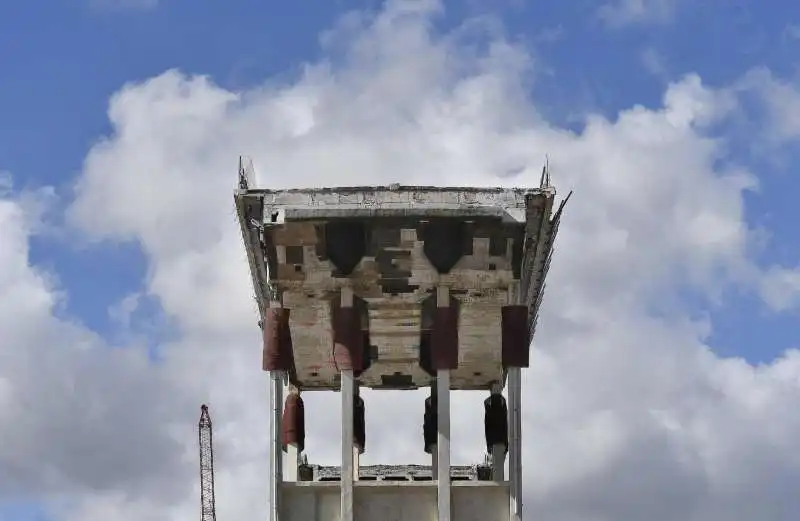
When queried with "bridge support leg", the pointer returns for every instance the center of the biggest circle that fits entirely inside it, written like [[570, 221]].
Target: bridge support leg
[[498, 454], [276, 381], [291, 458], [348, 396], [443, 438], [515, 441]]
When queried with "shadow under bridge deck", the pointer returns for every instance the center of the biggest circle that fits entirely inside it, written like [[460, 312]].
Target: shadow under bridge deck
[[393, 246]]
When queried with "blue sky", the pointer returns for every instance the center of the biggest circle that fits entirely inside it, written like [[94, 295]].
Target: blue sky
[[63, 60], [60, 62]]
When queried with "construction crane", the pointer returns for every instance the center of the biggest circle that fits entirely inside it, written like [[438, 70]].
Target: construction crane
[[207, 508]]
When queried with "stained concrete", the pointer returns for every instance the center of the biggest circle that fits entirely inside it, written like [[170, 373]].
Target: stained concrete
[[388, 501], [504, 243]]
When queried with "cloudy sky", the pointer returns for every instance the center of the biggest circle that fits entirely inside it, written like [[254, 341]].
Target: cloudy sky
[[665, 378]]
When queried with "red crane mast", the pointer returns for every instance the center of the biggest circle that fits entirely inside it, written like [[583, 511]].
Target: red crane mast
[[207, 507]]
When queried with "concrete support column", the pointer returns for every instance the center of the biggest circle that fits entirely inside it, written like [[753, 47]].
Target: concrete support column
[[356, 463], [356, 450], [515, 441], [498, 463], [276, 380], [515, 296], [348, 395], [443, 444], [291, 456], [434, 447], [498, 455], [443, 414]]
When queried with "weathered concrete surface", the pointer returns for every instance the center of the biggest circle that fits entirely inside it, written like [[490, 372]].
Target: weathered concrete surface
[[396, 473], [393, 245], [388, 501]]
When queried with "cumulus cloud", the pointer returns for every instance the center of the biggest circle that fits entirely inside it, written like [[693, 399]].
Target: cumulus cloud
[[71, 408], [617, 13], [780, 100], [780, 288], [629, 413]]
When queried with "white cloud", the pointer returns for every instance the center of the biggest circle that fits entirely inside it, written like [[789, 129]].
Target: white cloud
[[122, 310], [71, 409], [780, 288], [781, 103], [654, 63], [617, 13], [629, 415], [125, 5], [791, 32]]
